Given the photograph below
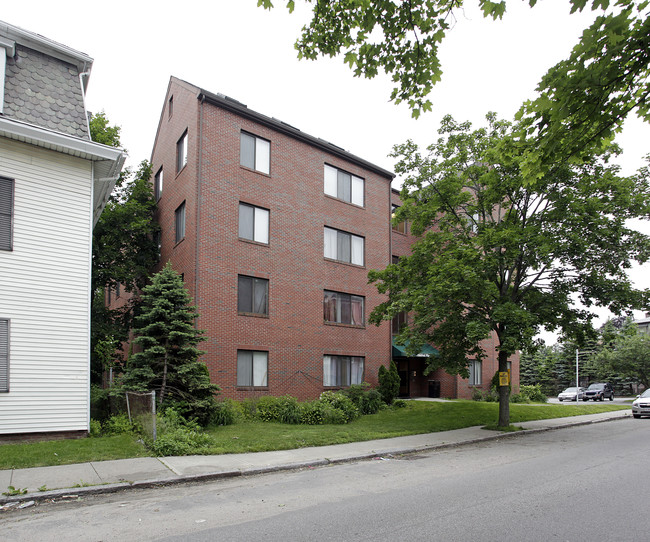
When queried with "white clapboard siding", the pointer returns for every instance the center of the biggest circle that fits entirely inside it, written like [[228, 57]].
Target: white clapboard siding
[[44, 290]]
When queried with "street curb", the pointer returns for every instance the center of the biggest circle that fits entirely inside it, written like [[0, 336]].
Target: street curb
[[69, 494]]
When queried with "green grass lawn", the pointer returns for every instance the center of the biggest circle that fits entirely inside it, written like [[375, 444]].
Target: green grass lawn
[[417, 417]]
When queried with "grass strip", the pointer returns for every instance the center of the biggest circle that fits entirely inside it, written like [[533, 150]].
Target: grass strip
[[253, 436]]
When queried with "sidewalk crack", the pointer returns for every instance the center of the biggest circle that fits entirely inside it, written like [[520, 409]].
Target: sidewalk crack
[[169, 466]]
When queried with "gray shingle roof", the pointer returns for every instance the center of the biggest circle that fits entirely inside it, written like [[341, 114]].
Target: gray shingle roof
[[45, 91]]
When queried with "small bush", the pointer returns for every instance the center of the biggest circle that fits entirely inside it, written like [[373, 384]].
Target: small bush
[[518, 398], [311, 412], [533, 393], [278, 409], [367, 401], [489, 396], [178, 436], [247, 409], [118, 424], [225, 413], [95, 428], [399, 403], [341, 402]]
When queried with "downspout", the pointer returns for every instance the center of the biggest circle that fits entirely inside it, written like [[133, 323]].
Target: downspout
[[199, 179], [390, 260]]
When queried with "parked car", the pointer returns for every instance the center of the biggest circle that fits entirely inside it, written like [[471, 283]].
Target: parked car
[[641, 405], [570, 394], [599, 391]]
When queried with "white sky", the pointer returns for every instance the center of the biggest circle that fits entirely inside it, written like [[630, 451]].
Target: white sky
[[235, 48]]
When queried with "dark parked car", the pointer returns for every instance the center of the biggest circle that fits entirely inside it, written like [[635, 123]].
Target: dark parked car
[[599, 391]]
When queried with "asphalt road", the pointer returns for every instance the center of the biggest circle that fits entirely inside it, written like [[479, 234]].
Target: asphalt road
[[581, 483]]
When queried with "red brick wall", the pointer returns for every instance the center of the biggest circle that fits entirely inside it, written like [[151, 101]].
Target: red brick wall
[[293, 334]]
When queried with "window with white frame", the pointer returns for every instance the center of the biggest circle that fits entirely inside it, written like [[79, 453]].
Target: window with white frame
[[343, 246], [6, 213], [181, 152], [253, 223], [340, 308], [342, 371], [255, 153], [252, 368], [252, 295], [342, 185], [4, 355], [158, 184], [180, 223], [475, 372]]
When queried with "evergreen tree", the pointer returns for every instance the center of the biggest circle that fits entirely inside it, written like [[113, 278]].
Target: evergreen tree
[[388, 383], [169, 360]]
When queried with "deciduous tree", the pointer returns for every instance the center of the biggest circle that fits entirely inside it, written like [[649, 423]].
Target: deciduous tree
[[500, 253], [125, 248]]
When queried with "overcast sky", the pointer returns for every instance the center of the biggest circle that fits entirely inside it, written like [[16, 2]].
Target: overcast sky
[[235, 48]]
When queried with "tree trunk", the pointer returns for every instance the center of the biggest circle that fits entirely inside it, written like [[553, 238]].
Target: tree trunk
[[504, 393]]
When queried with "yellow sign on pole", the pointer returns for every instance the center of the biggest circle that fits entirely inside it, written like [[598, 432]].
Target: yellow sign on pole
[[504, 378]]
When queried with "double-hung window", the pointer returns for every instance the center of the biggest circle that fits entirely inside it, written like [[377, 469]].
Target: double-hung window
[[342, 185], [343, 246], [4, 355], [252, 368], [253, 223], [158, 184], [255, 153], [181, 152], [342, 370], [252, 295], [340, 308], [475, 372], [180, 223], [6, 213]]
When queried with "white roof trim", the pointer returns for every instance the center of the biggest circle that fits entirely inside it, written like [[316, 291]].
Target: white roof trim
[[108, 161], [46, 45]]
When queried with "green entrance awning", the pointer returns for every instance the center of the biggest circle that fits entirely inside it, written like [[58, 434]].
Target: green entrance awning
[[399, 351]]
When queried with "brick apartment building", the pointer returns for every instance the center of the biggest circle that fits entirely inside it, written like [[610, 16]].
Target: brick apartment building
[[274, 232]]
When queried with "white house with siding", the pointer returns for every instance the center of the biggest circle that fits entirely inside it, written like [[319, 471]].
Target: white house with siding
[[54, 182]]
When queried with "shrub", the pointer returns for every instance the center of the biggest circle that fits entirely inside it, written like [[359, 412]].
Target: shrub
[[367, 401], [278, 409], [311, 412], [533, 393], [341, 402], [118, 424], [399, 403], [95, 428], [388, 383], [247, 409], [225, 413], [178, 436], [518, 398]]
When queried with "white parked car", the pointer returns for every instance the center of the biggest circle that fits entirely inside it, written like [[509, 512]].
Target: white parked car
[[570, 394], [641, 405]]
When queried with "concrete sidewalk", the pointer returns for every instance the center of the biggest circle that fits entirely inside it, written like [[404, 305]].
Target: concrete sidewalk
[[108, 476]]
